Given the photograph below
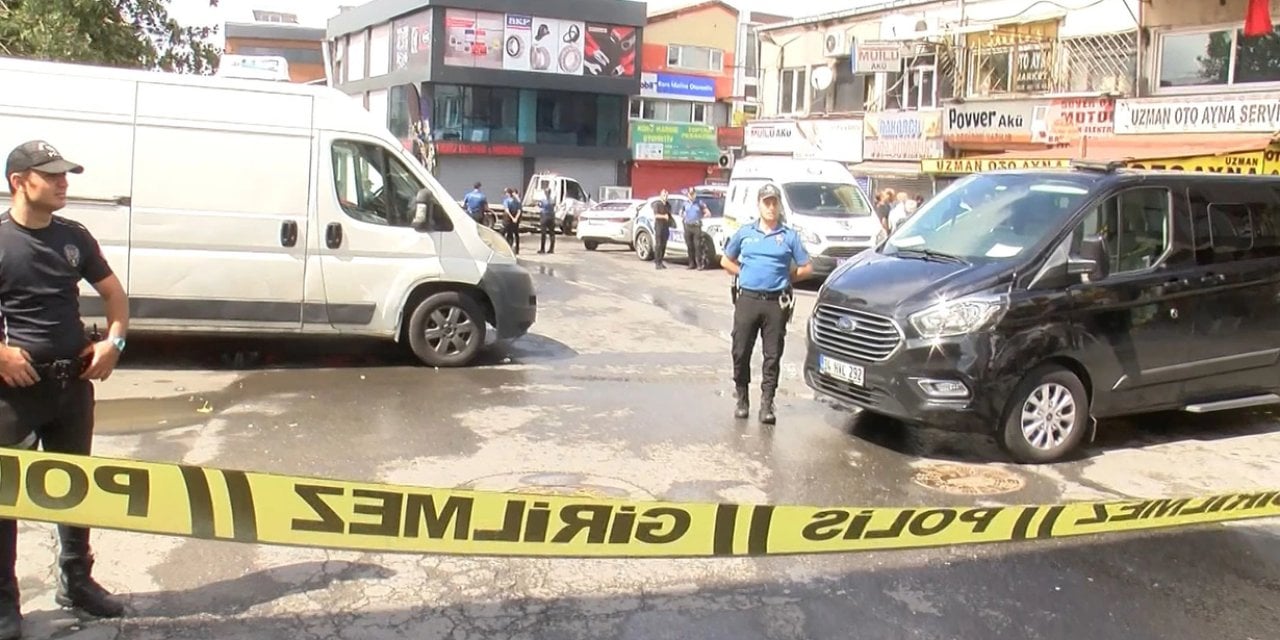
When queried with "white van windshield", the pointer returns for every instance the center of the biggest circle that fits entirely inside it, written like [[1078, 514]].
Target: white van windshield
[[826, 199], [989, 217]]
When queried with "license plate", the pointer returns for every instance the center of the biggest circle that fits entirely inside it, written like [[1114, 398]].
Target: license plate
[[851, 373]]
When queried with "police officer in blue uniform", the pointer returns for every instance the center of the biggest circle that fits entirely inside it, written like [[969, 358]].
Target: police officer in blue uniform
[[765, 258]]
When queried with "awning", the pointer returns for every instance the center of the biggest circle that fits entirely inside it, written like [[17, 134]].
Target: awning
[[1148, 147], [886, 168]]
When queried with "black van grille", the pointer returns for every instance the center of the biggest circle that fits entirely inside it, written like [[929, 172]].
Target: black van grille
[[873, 337], [858, 396]]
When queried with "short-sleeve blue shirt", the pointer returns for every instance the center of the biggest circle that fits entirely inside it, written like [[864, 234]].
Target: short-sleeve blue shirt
[[766, 257], [693, 212]]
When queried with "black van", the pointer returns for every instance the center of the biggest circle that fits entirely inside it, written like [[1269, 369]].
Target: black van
[[1026, 304]]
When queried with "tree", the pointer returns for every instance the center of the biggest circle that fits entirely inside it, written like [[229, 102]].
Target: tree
[[118, 33]]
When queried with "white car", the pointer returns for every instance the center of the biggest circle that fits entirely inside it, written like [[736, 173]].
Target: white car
[[716, 232], [609, 222]]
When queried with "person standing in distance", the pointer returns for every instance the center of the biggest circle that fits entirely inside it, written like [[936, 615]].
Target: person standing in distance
[[546, 222], [693, 214], [511, 221], [476, 203], [46, 362], [761, 257], [661, 229]]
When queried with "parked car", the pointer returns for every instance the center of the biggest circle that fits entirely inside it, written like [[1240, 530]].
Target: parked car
[[609, 222], [714, 230], [1027, 305]]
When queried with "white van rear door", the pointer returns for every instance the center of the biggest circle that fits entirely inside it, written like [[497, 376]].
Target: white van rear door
[[221, 194], [90, 121], [369, 252]]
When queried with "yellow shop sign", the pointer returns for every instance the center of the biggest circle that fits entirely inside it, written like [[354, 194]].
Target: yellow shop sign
[[978, 165]]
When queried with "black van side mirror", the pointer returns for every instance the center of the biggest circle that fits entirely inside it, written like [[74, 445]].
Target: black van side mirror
[[1091, 259]]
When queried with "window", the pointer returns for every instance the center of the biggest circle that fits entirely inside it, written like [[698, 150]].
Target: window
[[792, 91], [752, 45], [372, 185], [920, 84], [403, 111], [293, 55], [671, 111], [849, 89], [275, 16], [476, 114], [1135, 226], [1218, 57], [1238, 222], [683, 56], [1012, 64]]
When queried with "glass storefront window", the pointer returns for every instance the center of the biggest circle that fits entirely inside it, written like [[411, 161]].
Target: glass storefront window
[[528, 116]]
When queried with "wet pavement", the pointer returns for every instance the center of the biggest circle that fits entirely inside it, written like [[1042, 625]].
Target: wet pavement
[[623, 390]]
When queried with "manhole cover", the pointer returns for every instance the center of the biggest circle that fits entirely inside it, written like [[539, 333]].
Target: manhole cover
[[560, 484], [967, 480]]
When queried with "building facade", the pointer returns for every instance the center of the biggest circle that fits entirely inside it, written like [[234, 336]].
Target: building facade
[[493, 91], [260, 45], [686, 94]]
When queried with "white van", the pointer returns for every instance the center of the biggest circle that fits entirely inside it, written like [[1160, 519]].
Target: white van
[[242, 206], [820, 199]]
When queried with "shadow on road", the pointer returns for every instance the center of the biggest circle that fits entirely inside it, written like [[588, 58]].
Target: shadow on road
[[1114, 434], [1177, 585]]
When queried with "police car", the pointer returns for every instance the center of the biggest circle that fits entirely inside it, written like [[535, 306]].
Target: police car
[[714, 226]]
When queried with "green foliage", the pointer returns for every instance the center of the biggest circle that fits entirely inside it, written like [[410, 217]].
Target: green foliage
[[1257, 58], [118, 33]]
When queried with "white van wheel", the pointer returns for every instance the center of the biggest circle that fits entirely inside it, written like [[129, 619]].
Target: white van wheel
[[644, 246], [447, 329]]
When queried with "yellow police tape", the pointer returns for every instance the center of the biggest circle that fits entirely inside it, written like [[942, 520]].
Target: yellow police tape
[[219, 504]]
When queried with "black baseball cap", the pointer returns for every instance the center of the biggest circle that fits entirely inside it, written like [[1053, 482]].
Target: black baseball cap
[[769, 191], [41, 156]]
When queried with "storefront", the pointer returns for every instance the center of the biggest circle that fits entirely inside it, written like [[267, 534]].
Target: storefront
[[895, 143], [671, 156], [999, 126], [1232, 133], [835, 139]]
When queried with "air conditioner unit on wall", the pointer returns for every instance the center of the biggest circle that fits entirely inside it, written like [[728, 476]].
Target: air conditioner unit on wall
[[726, 160], [835, 43]]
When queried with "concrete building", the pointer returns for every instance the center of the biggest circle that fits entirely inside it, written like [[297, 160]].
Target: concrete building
[[496, 90], [927, 82], [688, 60], [275, 34]]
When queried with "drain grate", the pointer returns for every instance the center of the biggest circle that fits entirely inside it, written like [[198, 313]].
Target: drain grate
[[968, 480]]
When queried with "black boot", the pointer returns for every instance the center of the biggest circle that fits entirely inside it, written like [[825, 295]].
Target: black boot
[[744, 403], [78, 590], [766, 410], [10, 610]]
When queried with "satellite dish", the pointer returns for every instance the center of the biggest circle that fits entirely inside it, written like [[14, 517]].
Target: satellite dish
[[822, 78]]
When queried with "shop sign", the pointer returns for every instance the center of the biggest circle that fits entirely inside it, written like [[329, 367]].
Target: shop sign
[[1066, 120], [1248, 163], [905, 135], [680, 87], [674, 141], [523, 42], [877, 56], [839, 140], [979, 165], [411, 42], [729, 137], [988, 122], [452, 148], [1244, 113]]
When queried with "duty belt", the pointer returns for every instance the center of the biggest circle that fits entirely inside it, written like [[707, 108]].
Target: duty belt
[[762, 295], [60, 370]]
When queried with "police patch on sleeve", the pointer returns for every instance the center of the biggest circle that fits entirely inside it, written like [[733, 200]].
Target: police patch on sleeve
[[72, 254]]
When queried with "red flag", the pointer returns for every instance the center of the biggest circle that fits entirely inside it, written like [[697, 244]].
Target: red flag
[[1257, 19]]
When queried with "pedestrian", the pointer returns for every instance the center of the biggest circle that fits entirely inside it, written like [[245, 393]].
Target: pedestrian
[[693, 214], [764, 258], [476, 203], [511, 221], [546, 222], [884, 204], [661, 229], [47, 362], [902, 210]]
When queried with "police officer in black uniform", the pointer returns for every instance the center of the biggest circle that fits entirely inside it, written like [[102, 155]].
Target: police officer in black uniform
[[47, 363], [662, 222], [764, 257]]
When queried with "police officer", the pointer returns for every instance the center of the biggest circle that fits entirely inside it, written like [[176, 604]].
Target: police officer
[[511, 220], [693, 214], [476, 203], [47, 362], [761, 257], [546, 222], [661, 229]]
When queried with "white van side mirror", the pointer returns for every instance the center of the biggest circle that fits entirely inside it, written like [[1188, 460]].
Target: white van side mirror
[[428, 215]]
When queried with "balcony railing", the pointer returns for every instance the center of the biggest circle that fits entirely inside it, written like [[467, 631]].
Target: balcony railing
[[1030, 66]]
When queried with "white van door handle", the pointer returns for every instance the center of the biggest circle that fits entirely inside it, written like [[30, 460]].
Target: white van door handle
[[288, 233], [333, 235]]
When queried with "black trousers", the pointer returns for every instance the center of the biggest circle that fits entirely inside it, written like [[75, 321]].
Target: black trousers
[[754, 316], [511, 232], [61, 420], [661, 229], [693, 245], [547, 230]]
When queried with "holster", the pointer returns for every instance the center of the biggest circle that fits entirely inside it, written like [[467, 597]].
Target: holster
[[788, 303], [733, 290]]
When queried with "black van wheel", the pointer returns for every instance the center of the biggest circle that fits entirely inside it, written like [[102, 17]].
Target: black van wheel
[[447, 329], [1047, 416]]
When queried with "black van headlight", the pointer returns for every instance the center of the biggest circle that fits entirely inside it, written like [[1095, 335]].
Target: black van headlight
[[959, 317]]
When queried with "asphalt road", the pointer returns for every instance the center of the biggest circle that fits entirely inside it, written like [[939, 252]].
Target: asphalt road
[[623, 390]]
